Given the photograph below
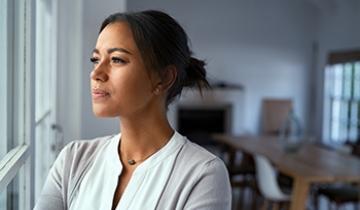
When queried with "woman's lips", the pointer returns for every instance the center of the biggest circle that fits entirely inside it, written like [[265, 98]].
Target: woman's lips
[[98, 94]]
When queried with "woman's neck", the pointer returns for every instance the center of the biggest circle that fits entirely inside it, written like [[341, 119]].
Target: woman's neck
[[143, 136]]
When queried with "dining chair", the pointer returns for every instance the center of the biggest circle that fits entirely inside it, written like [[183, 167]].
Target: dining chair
[[268, 185], [242, 176], [275, 112], [274, 115]]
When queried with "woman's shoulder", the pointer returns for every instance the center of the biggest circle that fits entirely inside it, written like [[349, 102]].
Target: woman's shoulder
[[196, 153], [199, 180], [78, 151], [81, 155], [197, 159], [88, 144]]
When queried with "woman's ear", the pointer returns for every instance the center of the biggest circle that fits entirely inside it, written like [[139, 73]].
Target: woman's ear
[[167, 80]]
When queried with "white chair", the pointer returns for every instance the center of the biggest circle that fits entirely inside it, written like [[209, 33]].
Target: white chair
[[268, 185]]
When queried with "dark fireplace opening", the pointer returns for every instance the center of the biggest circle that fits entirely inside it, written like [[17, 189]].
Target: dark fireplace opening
[[198, 123]]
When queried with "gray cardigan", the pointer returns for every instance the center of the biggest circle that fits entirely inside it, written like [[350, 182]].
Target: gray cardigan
[[198, 180]]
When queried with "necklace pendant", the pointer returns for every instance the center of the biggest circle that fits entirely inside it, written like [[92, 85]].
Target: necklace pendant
[[132, 162]]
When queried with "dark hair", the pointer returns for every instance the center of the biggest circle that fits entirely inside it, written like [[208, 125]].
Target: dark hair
[[163, 42]]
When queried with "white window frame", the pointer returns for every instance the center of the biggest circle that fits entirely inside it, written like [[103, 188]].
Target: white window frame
[[20, 160]]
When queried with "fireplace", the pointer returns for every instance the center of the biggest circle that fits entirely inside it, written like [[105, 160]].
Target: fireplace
[[198, 122]]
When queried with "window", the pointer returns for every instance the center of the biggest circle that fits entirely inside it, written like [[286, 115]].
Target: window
[[342, 98], [47, 132], [17, 104], [30, 45]]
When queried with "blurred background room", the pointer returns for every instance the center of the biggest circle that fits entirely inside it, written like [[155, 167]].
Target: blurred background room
[[283, 112]]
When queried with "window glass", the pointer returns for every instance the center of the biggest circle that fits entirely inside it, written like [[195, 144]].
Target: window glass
[[3, 78], [12, 68], [18, 69], [343, 92]]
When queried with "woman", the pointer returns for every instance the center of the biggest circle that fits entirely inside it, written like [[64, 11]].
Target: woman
[[141, 63]]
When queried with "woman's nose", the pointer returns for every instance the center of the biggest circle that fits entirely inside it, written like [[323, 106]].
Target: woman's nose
[[99, 73]]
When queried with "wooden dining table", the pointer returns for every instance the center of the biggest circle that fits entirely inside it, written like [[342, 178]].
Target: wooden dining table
[[310, 164]]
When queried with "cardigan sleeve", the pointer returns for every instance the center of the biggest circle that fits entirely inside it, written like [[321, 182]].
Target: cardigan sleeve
[[54, 192], [212, 190]]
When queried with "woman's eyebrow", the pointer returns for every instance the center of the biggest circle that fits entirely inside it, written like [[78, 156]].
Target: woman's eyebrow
[[111, 50]]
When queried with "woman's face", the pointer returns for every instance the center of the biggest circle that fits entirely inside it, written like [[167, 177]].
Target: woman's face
[[120, 83]]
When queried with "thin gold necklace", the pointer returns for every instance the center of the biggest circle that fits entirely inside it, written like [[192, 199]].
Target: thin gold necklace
[[133, 162]]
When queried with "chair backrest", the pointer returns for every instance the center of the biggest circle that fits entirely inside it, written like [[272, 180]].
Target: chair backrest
[[274, 115], [266, 180]]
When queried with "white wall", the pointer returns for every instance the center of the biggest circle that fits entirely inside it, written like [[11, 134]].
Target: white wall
[[339, 29], [94, 12], [264, 45], [68, 61]]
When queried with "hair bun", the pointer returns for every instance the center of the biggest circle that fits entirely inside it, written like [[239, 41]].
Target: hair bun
[[196, 74]]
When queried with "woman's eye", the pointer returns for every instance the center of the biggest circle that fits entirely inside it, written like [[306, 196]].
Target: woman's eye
[[94, 60], [118, 60]]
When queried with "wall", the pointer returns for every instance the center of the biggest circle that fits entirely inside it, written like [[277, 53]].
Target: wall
[[69, 54], [264, 45], [94, 12], [338, 30]]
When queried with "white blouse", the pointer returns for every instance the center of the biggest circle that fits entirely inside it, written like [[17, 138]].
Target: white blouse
[[181, 175], [148, 179]]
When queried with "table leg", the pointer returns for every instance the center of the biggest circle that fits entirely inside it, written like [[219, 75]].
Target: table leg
[[299, 194]]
